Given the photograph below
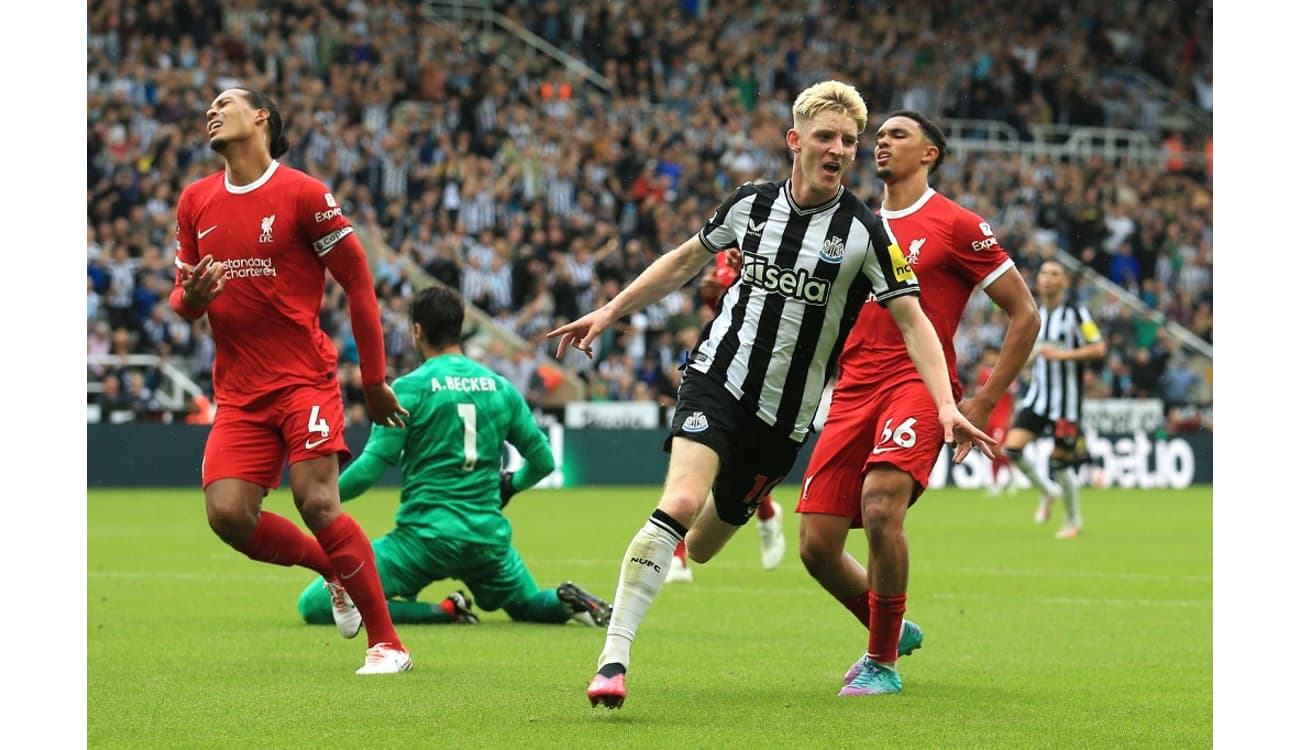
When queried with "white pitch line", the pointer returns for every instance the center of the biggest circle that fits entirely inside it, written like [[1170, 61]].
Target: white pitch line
[[1073, 574], [757, 589], [1036, 573]]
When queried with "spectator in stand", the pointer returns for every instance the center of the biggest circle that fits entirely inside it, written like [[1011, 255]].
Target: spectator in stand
[[114, 403], [142, 401], [1146, 372], [121, 288], [99, 342], [94, 302], [1179, 382]]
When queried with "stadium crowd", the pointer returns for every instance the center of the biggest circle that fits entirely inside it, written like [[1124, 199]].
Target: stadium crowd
[[467, 158]]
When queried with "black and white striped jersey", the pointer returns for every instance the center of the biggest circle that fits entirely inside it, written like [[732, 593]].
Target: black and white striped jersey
[[805, 274], [1056, 390]]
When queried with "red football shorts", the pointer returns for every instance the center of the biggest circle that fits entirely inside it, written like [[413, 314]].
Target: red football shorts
[[898, 426], [252, 442]]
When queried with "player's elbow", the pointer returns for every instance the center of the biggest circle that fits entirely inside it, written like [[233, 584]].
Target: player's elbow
[[544, 463], [1027, 318]]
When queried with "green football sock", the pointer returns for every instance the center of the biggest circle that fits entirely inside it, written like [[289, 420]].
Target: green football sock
[[405, 611]]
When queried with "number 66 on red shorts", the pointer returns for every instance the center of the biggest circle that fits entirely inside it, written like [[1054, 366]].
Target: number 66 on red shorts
[[898, 425]]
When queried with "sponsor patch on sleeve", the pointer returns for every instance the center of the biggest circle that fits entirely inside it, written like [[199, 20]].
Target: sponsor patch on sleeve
[[902, 269]]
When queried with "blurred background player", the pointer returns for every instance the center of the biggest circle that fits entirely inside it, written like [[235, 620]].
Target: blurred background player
[[883, 434], [253, 244], [719, 275], [813, 252], [1053, 404], [999, 422], [449, 519]]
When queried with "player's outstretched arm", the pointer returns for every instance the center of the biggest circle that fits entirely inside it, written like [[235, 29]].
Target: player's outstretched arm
[[346, 262], [927, 354], [531, 442], [383, 449], [1086, 353], [1010, 293], [671, 271]]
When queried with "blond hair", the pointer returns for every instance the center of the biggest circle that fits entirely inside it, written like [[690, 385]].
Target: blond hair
[[832, 95]]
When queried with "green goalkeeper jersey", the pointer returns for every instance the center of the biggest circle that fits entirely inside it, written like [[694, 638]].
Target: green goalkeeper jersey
[[451, 450]]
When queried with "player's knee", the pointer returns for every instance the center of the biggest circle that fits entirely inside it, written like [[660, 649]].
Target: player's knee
[[314, 605], [231, 521], [819, 555], [880, 518], [318, 506], [885, 499], [682, 506], [1014, 454]]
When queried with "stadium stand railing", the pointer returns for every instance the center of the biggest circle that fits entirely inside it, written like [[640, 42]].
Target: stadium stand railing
[[484, 329], [461, 11], [1203, 352], [173, 395]]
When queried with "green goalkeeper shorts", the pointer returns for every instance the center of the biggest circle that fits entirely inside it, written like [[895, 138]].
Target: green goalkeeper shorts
[[494, 573]]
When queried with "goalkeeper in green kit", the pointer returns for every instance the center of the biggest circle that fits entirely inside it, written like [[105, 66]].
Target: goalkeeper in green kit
[[449, 519]]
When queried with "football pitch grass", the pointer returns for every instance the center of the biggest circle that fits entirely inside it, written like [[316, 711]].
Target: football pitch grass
[[1102, 641]]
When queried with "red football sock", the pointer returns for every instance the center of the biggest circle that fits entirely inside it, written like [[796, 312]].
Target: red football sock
[[886, 626], [765, 509], [680, 552], [354, 559], [279, 541], [860, 606]]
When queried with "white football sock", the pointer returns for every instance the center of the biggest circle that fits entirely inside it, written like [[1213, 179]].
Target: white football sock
[[645, 566], [1069, 496], [1031, 474]]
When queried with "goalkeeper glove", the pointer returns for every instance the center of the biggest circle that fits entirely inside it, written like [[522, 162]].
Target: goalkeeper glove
[[507, 487]]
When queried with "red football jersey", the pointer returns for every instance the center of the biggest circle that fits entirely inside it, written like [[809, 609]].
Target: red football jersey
[[272, 235], [723, 270], [953, 252]]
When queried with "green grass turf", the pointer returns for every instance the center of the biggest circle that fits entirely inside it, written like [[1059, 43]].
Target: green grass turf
[[1103, 641]]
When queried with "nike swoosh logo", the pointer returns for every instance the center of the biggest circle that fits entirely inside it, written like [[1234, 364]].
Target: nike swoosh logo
[[346, 576], [884, 450], [312, 444], [204, 233]]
